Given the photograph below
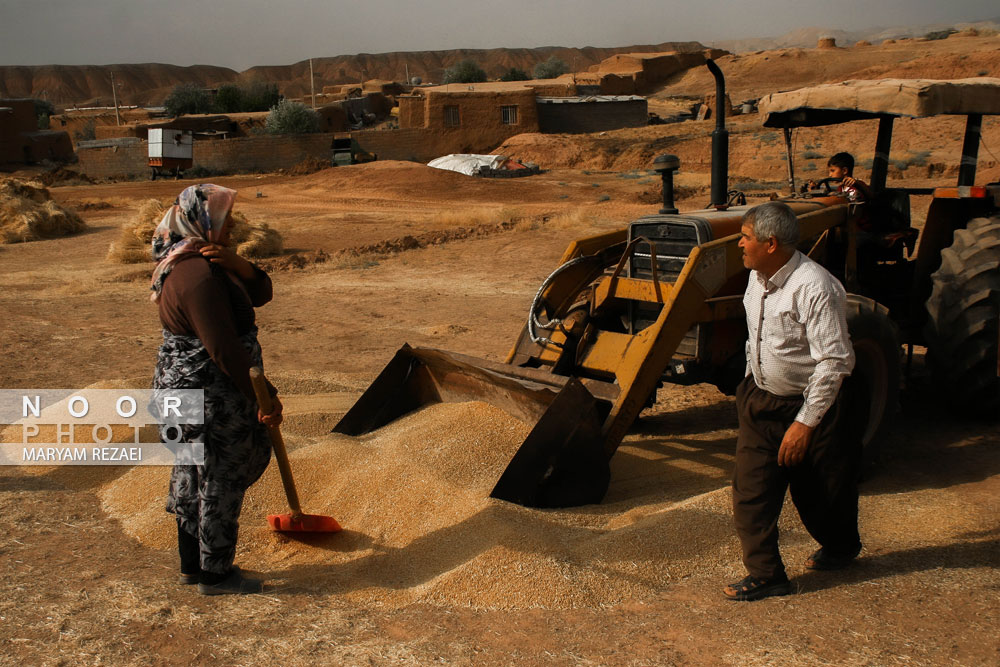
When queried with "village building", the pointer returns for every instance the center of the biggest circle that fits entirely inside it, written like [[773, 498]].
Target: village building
[[22, 142]]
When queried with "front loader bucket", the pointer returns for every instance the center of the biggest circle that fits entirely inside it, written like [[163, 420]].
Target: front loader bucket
[[561, 463]]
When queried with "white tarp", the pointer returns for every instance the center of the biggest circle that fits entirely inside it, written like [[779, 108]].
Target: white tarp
[[468, 164]]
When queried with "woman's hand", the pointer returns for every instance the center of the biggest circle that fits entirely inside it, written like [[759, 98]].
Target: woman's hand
[[227, 259], [275, 418]]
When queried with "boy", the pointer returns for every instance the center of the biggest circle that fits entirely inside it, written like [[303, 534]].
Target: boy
[[841, 168]]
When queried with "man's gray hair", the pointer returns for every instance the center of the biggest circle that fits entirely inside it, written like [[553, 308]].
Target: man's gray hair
[[776, 219]]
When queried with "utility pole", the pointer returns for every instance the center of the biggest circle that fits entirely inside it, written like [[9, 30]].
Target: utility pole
[[312, 83], [114, 96]]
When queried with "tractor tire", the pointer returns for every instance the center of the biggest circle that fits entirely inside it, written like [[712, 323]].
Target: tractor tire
[[873, 387], [962, 319]]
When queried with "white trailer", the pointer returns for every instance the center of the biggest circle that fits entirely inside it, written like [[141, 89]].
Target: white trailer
[[170, 150]]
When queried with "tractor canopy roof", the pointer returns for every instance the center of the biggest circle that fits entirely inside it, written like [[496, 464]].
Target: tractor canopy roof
[[833, 103]]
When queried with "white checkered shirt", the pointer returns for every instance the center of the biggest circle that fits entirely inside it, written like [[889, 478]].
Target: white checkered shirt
[[798, 343]]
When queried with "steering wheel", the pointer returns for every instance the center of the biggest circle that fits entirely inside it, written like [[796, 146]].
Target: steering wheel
[[825, 184]]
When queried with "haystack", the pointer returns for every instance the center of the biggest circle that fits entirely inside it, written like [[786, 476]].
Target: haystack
[[27, 213], [254, 240], [133, 245], [251, 240]]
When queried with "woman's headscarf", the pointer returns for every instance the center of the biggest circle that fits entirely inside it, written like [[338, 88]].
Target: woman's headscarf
[[198, 215]]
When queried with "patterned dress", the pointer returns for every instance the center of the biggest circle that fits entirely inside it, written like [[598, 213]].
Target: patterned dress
[[207, 498]]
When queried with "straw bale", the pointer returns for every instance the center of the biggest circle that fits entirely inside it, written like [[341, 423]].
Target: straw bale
[[133, 244], [251, 240], [419, 525], [27, 213], [262, 241]]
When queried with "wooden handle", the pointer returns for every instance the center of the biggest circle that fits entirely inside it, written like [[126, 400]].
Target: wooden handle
[[265, 404]]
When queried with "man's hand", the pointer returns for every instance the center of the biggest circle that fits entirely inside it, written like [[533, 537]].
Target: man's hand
[[275, 418], [227, 259], [848, 181], [794, 444]]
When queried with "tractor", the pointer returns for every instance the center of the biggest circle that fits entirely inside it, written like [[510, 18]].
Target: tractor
[[660, 300]]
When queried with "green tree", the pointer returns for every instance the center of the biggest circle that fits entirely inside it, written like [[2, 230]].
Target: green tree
[[551, 68], [466, 71], [515, 74], [290, 117], [43, 109], [260, 95], [229, 99], [188, 98], [241, 98]]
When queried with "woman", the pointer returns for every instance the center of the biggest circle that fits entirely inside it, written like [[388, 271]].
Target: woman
[[206, 294]]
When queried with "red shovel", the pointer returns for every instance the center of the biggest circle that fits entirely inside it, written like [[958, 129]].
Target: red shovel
[[296, 522]]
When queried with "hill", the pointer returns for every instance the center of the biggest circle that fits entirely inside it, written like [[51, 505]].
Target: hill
[[149, 84], [809, 36]]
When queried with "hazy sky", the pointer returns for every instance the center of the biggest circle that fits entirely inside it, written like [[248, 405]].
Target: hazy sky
[[243, 33]]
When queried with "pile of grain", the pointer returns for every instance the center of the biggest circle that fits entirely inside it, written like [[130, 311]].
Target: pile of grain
[[419, 525], [27, 213], [251, 240]]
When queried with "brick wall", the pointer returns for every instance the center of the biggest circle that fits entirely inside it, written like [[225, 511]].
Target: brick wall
[[270, 153], [578, 117], [127, 159], [411, 111], [263, 153], [241, 154], [47, 145]]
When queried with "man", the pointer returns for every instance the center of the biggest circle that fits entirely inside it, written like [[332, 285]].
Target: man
[[798, 354]]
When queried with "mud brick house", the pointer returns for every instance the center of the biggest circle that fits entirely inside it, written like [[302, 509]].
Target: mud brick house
[[595, 113], [460, 108], [638, 73], [22, 142], [505, 109]]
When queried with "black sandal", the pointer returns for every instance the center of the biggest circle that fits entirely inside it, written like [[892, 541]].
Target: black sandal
[[822, 560], [752, 588]]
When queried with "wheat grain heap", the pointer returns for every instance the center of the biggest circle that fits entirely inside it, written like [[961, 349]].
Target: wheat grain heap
[[252, 240], [27, 213], [419, 525]]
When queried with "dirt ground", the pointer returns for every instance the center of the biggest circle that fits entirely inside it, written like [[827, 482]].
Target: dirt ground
[[78, 588]]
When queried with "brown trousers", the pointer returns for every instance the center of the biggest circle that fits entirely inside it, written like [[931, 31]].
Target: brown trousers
[[824, 486]]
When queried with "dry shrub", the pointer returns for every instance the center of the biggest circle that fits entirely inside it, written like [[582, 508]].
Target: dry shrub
[[474, 217], [571, 220], [27, 213], [252, 240]]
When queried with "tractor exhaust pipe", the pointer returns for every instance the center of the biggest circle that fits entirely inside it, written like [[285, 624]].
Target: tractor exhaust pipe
[[720, 140], [666, 165]]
